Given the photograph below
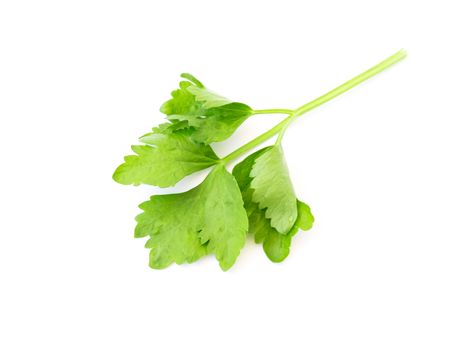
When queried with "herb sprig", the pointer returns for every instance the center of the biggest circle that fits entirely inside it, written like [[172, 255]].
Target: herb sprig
[[215, 217]]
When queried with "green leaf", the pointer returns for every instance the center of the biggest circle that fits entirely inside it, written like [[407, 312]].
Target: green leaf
[[276, 245], [191, 78], [242, 173], [170, 128], [305, 218], [182, 102], [220, 123], [183, 227], [273, 189], [212, 118], [165, 159], [208, 98], [225, 219]]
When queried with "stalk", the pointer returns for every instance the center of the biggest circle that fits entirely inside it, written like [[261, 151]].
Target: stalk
[[273, 111], [283, 125], [352, 83]]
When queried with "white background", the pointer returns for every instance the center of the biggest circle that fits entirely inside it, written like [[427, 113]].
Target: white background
[[386, 169]]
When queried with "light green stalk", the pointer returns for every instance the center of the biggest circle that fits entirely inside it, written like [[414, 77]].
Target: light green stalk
[[293, 114]]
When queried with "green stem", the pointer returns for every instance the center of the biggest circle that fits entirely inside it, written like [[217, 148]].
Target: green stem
[[256, 142], [283, 125], [352, 83], [273, 111]]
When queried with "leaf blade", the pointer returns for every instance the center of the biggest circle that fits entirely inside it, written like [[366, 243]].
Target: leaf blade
[[213, 118], [276, 245], [164, 160], [273, 189], [215, 222]]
